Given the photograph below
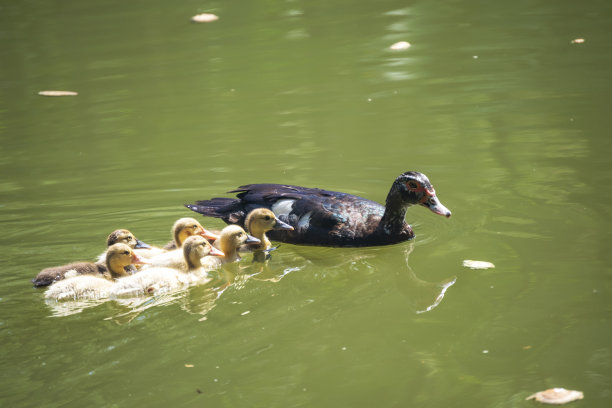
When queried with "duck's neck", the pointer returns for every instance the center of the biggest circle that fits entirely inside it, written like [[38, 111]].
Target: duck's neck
[[260, 234], [193, 261], [231, 252], [116, 269], [393, 221], [179, 237]]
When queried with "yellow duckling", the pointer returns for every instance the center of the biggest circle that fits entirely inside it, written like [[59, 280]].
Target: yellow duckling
[[178, 258], [85, 285], [258, 222], [230, 239], [157, 279], [184, 228]]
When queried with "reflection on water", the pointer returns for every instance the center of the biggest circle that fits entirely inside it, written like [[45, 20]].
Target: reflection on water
[[422, 295]]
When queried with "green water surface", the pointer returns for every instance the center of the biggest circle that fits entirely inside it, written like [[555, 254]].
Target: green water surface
[[493, 101]]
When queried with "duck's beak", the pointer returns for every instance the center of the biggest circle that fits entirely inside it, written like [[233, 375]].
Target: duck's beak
[[436, 206], [138, 260], [140, 244], [280, 225], [252, 240], [209, 235], [215, 252]]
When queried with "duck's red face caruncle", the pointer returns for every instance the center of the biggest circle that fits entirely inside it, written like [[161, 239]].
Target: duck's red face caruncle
[[426, 196]]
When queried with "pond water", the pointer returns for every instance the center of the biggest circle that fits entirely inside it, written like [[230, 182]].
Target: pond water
[[494, 101]]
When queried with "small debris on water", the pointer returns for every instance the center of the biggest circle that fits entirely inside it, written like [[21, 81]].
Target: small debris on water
[[556, 396], [189, 365], [204, 18], [468, 263], [401, 45], [58, 93], [578, 41], [245, 313]]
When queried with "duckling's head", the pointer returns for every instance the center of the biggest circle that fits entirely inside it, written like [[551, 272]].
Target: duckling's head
[[186, 227], [195, 248], [263, 219], [126, 237], [118, 257], [232, 237]]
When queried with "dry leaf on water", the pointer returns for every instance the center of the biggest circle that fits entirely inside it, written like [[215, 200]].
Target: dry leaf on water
[[57, 93], [468, 263], [204, 18], [556, 396]]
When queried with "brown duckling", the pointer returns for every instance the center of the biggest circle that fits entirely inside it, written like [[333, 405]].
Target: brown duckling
[[125, 237], [87, 285], [49, 275]]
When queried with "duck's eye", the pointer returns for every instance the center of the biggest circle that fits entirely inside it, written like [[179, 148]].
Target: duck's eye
[[412, 184], [267, 218], [195, 226], [126, 252]]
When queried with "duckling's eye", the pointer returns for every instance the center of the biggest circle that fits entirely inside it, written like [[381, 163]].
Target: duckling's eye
[[126, 252], [267, 218]]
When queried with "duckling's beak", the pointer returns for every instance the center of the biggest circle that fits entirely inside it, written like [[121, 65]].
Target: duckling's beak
[[140, 244], [280, 225], [252, 240], [436, 206], [138, 260], [208, 235], [215, 252]]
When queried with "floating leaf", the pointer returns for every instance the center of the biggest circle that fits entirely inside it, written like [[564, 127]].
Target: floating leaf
[[58, 93], [556, 396], [468, 263], [204, 18], [402, 45]]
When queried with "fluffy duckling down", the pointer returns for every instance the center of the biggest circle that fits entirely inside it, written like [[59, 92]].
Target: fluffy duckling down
[[159, 279], [119, 258]]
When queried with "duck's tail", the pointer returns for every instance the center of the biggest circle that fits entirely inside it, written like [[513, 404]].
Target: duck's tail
[[228, 209]]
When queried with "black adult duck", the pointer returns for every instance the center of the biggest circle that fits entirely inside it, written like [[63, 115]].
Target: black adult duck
[[329, 218]]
